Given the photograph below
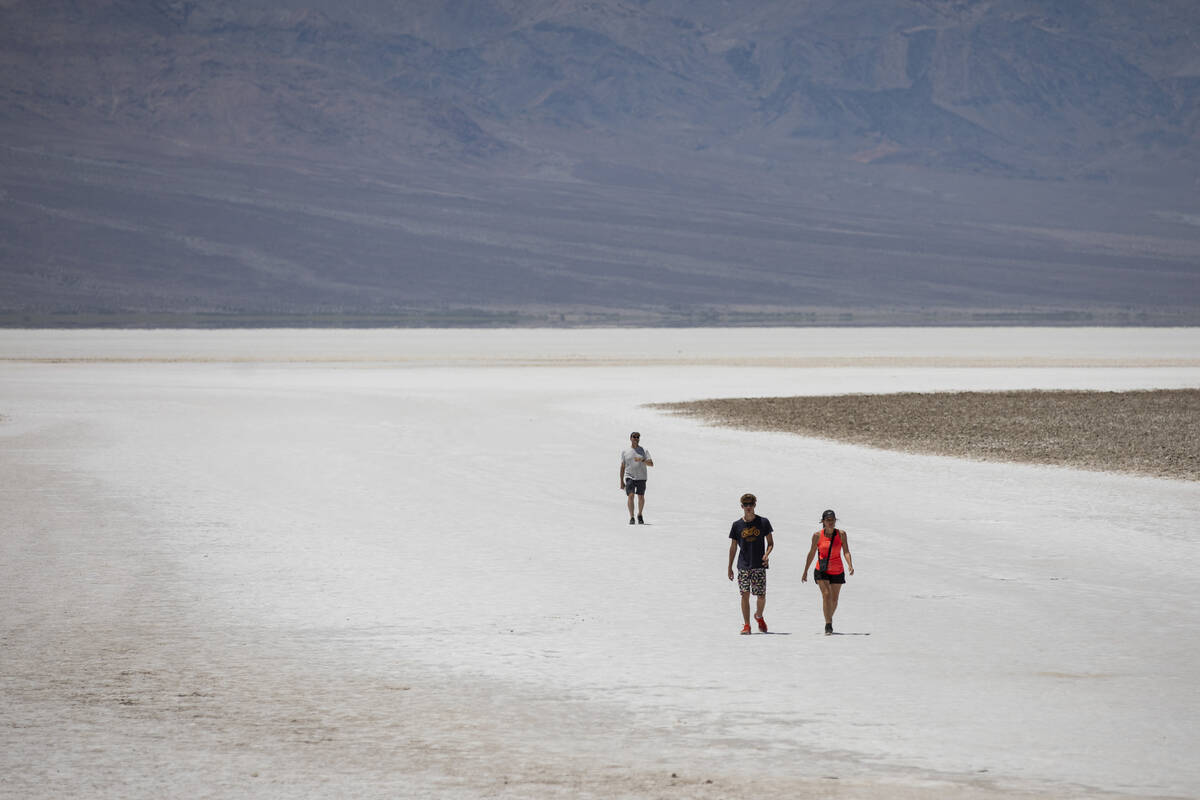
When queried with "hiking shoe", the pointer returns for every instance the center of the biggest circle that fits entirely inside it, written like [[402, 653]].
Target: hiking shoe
[[640, 520], [631, 520], [746, 629], [762, 624], [829, 629]]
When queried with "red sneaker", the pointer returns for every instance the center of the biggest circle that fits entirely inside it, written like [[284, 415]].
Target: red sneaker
[[746, 629], [762, 624]]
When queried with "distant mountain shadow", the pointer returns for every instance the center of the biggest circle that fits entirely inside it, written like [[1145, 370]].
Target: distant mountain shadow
[[906, 160]]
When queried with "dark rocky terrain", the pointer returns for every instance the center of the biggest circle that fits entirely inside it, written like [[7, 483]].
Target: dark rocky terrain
[[663, 160], [1147, 432]]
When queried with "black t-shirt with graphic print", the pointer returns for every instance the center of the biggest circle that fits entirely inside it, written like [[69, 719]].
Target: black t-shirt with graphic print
[[752, 541]]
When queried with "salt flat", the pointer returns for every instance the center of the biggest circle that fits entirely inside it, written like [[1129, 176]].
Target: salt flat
[[396, 563]]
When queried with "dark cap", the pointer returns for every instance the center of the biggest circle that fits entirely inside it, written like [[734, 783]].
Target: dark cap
[[635, 433], [828, 514]]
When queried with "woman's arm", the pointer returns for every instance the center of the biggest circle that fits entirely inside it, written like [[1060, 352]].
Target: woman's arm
[[812, 551], [846, 553]]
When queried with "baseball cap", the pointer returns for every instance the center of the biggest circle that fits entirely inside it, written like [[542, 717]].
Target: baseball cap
[[828, 514]]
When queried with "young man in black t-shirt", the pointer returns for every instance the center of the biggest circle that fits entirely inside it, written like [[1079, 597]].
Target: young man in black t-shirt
[[752, 536]]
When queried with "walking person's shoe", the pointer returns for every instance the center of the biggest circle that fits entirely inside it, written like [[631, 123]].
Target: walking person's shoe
[[631, 520], [640, 520], [829, 629], [762, 624], [746, 629]]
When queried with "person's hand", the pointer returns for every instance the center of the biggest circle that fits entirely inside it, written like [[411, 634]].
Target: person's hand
[[731, 573], [852, 570], [766, 559], [804, 577]]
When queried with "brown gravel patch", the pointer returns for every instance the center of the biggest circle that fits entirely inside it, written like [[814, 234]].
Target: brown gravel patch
[[1147, 432]]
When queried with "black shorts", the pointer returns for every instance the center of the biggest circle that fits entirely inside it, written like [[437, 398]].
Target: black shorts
[[634, 487], [839, 577]]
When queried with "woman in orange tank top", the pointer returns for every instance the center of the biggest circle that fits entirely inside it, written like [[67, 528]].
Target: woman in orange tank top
[[830, 547]]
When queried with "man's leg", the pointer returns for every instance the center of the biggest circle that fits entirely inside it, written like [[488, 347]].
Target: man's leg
[[758, 588], [641, 502], [746, 607], [629, 501]]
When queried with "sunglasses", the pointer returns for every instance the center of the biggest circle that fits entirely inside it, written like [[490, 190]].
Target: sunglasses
[[747, 505]]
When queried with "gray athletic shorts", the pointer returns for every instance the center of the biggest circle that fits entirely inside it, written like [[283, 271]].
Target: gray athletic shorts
[[634, 487]]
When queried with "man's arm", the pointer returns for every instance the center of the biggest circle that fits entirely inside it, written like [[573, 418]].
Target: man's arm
[[621, 475], [648, 461], [770, 547], [732, 555]]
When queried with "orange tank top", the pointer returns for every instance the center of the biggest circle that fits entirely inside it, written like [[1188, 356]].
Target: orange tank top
[[835, 544]]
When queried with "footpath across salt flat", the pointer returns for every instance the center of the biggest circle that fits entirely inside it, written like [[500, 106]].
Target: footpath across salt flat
[[392, 575]]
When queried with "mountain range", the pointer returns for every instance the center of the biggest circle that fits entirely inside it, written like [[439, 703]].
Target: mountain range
[[654, 160]]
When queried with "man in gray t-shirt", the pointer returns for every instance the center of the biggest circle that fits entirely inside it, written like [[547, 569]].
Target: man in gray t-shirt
[[633, 475]]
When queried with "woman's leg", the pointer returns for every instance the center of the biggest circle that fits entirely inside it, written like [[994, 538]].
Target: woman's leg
[[825, 601], [835, 590]]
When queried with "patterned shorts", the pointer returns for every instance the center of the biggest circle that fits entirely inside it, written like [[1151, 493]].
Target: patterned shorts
[[753, 581]]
